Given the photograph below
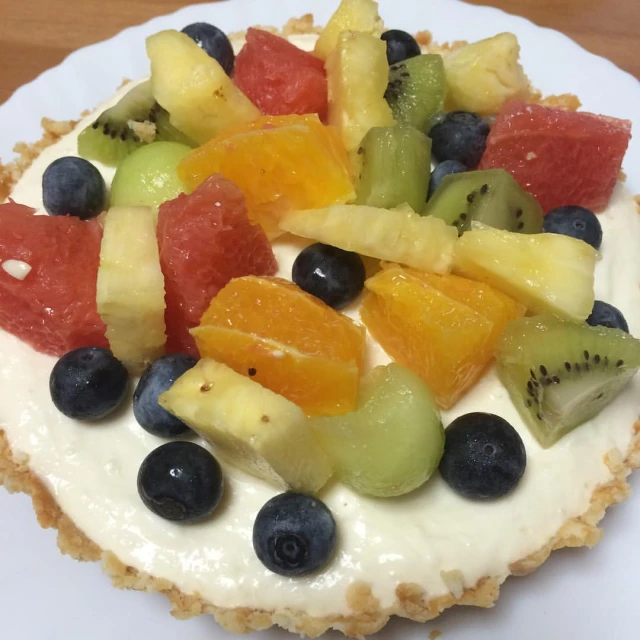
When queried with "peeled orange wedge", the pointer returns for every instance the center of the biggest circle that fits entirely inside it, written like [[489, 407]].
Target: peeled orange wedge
[[282, 163], [286, 340], [443, 328]]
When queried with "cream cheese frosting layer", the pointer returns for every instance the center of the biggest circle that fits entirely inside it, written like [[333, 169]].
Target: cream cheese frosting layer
[[91, 471]]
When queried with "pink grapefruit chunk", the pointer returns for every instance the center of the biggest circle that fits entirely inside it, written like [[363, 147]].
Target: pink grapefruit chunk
[[206, 239], [279, 78], [561, 157], [53, 307]]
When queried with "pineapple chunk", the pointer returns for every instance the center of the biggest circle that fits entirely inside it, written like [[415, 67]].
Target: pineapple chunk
[[201, 99], [351, 15], [482, 76], [397, 235], [130, 286], [253, 428], [546, 272], [357, 77]]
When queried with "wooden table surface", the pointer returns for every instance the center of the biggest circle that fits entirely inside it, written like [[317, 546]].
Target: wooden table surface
[[38, 34]]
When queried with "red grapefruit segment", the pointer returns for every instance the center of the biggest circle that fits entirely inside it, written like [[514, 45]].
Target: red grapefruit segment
[[53, 308], [279, 78], [561, 157], [206, 239]]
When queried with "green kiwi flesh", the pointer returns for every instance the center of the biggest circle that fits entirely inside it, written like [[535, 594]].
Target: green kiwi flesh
[[395, 165], [491, 197], [417, 90], [114, 134], [560, 374]]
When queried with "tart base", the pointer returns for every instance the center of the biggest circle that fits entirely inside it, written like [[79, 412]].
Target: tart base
[[366, 615]]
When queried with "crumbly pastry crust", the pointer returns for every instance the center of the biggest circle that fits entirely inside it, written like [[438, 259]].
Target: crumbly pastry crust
[[366, 614]]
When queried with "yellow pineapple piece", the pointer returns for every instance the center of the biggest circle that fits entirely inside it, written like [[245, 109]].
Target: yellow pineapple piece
[[351, 15], [130, 286], [201, 99], [251, 427], [483, 75], [397, 235], [357, 77]]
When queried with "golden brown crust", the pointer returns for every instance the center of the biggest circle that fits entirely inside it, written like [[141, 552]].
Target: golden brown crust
[[27, 153], [367, 616]]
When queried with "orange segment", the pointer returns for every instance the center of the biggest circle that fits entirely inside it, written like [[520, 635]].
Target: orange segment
[[282, 163], [289, 342], [444, 328]]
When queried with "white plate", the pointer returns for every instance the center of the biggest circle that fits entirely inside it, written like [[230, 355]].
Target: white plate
[[578, 593]]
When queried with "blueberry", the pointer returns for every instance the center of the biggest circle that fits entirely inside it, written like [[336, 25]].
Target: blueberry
[[606, 315], [88, 383], [443, 169], [484, 456], [214, 41], [576, 222], [400, 45], [460, 136], [180, 481], [72, 186], [294, 534], [331, 274], [157, 378]]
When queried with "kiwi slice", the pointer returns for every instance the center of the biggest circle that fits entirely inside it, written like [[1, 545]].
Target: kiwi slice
[[492, 197], [560, 374], [417, 90], [395, 165], [135, 120]]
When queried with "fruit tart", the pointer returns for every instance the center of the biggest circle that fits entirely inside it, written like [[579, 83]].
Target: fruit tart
[[317, 330]]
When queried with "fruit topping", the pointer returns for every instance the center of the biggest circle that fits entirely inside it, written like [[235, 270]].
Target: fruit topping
[[281, 163], [395, 168], [576, 222], [314, 361], [53, 308], [250, 426], [148, 176], [88, 383], [400, 45], [192, 86], [130, 287], [604, 314], [416, 90], [294, 534], [357, 76], [561, 374], [181, 482], [205, 240], [72, 186], [460, 136], [397, 235], [443, 169], [157, 379], [534, 143], [392, 442], [214, 41], [482, 76], [443, 328], [279, 78], [333, 275], [351, 15], [544, 271], [491, 197], [135, 120], [484, 456]]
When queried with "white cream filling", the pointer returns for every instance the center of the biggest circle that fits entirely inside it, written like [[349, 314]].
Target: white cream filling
[[91, 471]]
